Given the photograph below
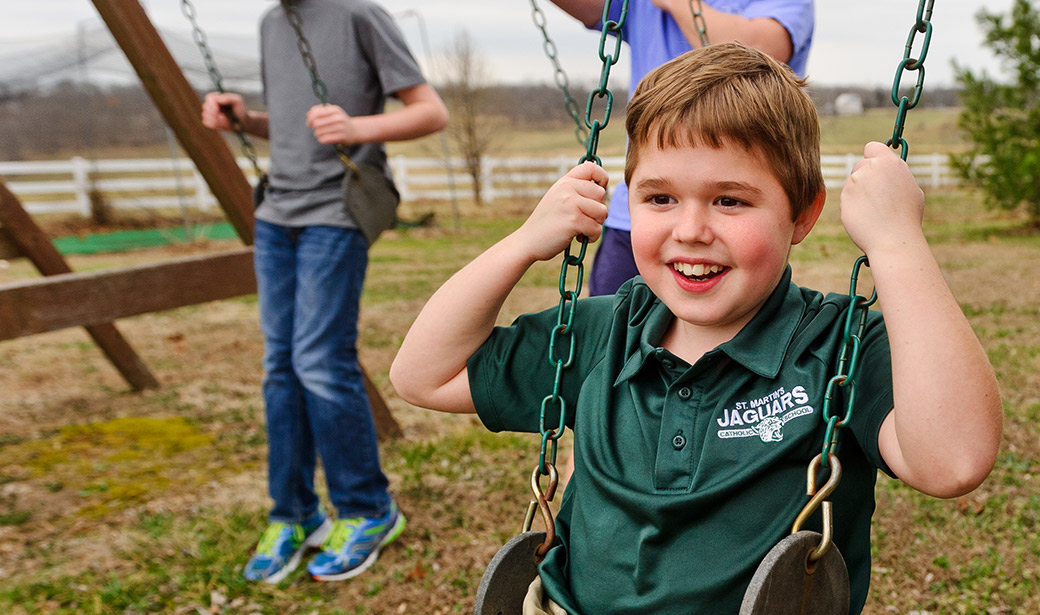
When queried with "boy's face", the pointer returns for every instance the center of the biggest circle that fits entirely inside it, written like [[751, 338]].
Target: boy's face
[[711, 232]]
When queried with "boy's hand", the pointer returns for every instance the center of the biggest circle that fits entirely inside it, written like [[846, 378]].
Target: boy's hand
[[572, 206], [332, 125], [214, 106], [881, 204]]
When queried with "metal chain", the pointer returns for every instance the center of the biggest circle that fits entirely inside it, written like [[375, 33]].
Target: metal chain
[[698, 21], [858, 304], [199, 36], [855, 322], [602, 90], [559, 357], [321, 91], [923, 25], [848, 361], [571, 105]]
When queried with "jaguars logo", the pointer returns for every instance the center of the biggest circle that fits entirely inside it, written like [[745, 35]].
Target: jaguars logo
[[771, 429]]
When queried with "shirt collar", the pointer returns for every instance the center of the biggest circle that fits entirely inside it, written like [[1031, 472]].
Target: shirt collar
[[760, 346]]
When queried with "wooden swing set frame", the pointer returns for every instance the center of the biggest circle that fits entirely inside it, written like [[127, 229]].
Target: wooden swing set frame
[[63, 298]]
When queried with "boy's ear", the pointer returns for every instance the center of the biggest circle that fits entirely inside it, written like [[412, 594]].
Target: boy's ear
[[807, 220]]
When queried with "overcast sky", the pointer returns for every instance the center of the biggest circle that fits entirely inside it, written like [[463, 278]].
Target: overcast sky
[[858, 43]]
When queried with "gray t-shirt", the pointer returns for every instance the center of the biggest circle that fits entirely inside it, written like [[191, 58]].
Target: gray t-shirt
[[362, 58]]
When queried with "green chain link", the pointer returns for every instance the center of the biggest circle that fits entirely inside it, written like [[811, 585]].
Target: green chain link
[[923, 25], [848, 361], [698, 21], [559, 75], [568, 297], [603, 90], [199, 36], [858, 304]]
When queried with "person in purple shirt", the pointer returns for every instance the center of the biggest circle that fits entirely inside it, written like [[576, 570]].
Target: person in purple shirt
[[660, 30], [657, 31]]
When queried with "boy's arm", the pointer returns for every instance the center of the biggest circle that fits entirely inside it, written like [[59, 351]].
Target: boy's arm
[[762, 33], [430, 368], [213, 115], [588, 12], [423, 113], [945, 428]]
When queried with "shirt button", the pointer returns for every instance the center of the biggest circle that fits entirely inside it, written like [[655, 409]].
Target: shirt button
[[685, 392], [668, 363], [679, 441]]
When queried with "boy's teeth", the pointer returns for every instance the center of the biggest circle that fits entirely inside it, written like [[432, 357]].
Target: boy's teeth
[[696, 270]]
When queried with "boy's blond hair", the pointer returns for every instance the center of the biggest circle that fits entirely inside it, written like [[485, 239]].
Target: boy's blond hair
[[731, 92]]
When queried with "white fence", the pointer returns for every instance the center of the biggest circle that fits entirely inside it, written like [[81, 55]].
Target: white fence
[[65, 185]]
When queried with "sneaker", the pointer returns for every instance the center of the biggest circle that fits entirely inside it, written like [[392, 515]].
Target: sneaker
[[280, 548], [354, 544]]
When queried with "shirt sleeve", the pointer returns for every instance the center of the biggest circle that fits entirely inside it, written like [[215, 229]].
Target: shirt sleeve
[[511, 376], [798, 17], [874, 396], [385, 47]]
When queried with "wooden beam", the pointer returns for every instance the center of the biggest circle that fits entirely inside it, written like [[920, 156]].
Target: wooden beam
[[386, 425], [8, 249], [181, 107], [30, 240], [73, 299], [77, 299]]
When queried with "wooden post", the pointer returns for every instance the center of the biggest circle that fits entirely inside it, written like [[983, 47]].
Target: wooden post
[[386, 425], [181, 108], [37, 247]]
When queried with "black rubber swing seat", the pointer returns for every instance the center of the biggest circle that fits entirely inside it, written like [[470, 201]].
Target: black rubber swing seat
[[784, 583]]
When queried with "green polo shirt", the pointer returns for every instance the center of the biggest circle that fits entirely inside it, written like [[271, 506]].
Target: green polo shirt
[[686, 475]]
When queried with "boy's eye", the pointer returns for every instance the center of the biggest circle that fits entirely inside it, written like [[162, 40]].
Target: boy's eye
[[729, 202], [661, 199]]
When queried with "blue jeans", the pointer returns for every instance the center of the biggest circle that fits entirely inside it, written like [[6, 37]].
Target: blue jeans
[[613, 264], [309, 287]]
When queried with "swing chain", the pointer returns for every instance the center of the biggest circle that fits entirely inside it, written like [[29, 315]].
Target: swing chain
[[698, 21], [558, 358], [602, 90], [538, 16], [858, 304], [568, 297], [856, 317], [199, 36], [848, 360], [922, 25], [321, 91]]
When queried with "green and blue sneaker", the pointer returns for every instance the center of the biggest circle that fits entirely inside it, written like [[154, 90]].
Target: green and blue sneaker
[[281, 546], [354, 544]]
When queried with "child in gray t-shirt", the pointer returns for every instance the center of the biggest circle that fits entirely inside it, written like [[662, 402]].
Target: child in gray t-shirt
[[310, 258]]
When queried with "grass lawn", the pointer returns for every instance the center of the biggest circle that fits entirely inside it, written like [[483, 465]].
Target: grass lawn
[[120, 502]]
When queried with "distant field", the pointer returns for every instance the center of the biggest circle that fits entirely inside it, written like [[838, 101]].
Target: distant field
[[927, 130]]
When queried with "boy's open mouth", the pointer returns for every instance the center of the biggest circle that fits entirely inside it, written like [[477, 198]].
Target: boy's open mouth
[[700, 271]]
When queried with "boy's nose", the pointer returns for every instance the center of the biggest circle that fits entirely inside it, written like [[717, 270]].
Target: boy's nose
[[694, 224]]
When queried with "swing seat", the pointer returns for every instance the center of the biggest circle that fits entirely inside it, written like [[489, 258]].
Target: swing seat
[[504, 583], [784, 584]]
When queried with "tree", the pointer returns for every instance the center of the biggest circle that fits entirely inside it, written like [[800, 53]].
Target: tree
[[1003, 120], [466, 92]]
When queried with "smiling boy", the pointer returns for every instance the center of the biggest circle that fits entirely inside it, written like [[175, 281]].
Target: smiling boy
[[695, 392]]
